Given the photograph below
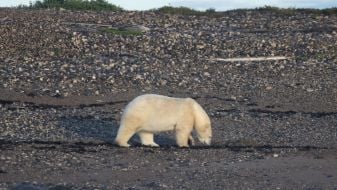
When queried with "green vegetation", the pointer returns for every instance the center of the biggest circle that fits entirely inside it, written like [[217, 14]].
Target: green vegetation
[[103, 5], [210, 10], [177, 10], [122, 32], [185, 11], [292, 11], [213, 12], [281, 11], [95, 5], [330, 11]]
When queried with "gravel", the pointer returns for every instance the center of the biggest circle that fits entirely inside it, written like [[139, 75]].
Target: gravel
[[43, 55], [65, 81]]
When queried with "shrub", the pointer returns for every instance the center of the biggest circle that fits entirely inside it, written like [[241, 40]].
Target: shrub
[[210, 10], [292, 11], [186, 11], [281, 11], [95, 5], [178, 10]]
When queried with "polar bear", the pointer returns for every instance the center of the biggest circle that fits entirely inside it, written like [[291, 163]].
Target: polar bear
[[150, 113]]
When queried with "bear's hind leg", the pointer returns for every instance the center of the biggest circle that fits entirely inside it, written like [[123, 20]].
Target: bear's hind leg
[[123, 136], [147, 139]]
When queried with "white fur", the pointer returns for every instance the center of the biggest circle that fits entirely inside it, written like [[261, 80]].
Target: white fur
[[150, 113]]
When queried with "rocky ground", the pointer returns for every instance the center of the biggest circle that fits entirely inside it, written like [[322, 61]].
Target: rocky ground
[[65, 79]]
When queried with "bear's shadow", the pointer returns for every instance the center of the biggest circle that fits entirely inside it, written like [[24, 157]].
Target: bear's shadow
[[95, 129]]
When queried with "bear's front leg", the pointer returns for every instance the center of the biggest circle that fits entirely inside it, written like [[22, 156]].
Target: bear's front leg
[[191, 140], [182, 137]]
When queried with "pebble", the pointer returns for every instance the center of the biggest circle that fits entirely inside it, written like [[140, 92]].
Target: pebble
[[179, 48], [310, 90]]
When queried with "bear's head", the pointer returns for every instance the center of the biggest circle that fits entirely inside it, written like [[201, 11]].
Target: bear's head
[[204, 134]]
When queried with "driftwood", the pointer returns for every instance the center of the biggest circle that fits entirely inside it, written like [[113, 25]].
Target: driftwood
[[94, 25], [88, 24], [6, 20], [248, 59]]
